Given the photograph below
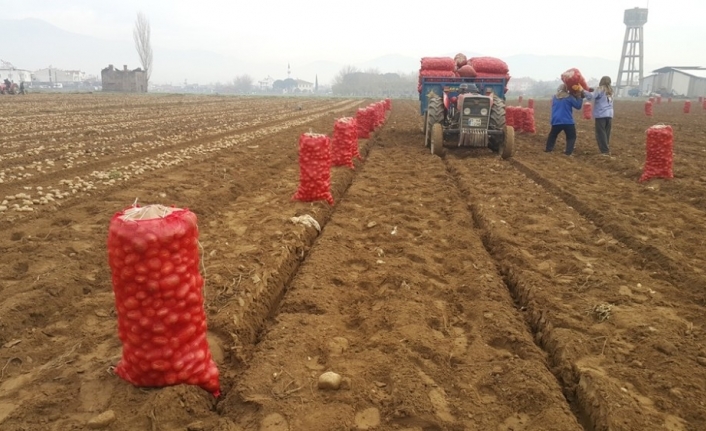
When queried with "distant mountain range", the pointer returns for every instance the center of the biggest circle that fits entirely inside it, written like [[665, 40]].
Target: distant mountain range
[[37, 44]]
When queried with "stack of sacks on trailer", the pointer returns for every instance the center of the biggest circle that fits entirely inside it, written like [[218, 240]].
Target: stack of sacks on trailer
[[490, 67], [436, 66]]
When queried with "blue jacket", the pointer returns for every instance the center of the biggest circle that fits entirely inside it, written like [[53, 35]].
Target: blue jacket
[[562, 112], [602, 104]]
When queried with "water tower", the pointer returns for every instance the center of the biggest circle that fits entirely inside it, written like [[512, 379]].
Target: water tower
[[631, 62]]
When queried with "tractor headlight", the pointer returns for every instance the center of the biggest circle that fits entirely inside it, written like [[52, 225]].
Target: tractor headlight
[[466, 111], [484, 111]]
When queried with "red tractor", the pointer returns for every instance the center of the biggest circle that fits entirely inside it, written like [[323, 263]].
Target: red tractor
[[11, 88]]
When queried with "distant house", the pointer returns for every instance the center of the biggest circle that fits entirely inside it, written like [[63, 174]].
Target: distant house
[[266, 84], [304, 86], [520, 85], [678, 81], [123, 81], [15, 75], [58, 76]]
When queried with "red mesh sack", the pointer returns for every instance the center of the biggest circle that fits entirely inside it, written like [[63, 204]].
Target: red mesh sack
[[377, 114], [154, 261], [388, 104], [314, 168], [530, 103], [345, 137], [510, 115], [648, 108], [586, 110], [489, 65], [660, 155], [687, 106], [441, 73], [519, 99], [528, 120], [363, 123], [438, 63], [574, 80], [518, 118], [658, 99], [467, 71]]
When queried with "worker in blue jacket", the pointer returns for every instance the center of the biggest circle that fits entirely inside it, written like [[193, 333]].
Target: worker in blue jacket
[[603, 112], [562, 120]]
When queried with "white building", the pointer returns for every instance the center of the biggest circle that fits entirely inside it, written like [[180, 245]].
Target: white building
[[678, 81], [304, 86], [266, 84], [54, 75], [9, 71]]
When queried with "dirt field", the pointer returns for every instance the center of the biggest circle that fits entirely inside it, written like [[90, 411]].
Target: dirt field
[[464, 293]]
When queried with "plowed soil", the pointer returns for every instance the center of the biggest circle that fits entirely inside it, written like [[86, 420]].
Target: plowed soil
[[463, 293]]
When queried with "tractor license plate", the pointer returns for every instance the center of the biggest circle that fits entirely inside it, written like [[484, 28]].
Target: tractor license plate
[[474, 122]]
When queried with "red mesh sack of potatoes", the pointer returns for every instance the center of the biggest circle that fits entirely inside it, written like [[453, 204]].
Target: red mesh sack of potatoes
[[587, 111], [574, 80], [372, 114], [314, 168], [345, 137], [518, 119], [687, 106], [362, 123], [528, 120], [442, 73], [660, 153], [379, 109], [388, 104], [438, 63], [467, 71], [510, 115], [530, 103], [489, 65], [154, 260], [648, 108]]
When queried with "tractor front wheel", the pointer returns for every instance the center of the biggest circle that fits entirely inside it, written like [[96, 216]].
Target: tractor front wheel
[[437, 140], [507, 148], [434, 115]]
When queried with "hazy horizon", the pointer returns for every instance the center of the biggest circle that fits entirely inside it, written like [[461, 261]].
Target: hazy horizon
[[315, 31]]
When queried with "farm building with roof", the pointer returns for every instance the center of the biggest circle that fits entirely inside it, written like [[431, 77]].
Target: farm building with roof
[[678, 81]]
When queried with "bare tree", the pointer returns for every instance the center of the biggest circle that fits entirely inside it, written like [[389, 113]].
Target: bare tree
[[141, 36]]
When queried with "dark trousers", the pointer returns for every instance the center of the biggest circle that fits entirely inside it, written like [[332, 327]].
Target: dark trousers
[[569, 130], [603, 127]]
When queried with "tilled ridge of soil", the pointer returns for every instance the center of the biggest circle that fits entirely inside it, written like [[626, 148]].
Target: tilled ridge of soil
[[251, 249], [400, 298], [606, 323]]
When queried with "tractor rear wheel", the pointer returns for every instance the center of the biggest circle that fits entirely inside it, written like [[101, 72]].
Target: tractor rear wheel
[[507, 149], [497, 122], [437, 140], [434, 115]]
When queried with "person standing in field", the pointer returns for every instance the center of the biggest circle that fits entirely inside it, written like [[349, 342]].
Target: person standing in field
[[562, 119], [603, 113]]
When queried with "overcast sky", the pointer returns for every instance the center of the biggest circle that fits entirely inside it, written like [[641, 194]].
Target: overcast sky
[[357, 31]]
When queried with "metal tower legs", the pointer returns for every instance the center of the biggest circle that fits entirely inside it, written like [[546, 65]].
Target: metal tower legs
[[630, 74]]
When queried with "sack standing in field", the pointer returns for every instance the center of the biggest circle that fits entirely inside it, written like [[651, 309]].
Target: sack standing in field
[[660, 153], [154, 260], [314, 168]]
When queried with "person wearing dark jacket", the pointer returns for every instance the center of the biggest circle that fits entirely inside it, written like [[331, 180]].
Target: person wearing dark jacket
[[562, 119]]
